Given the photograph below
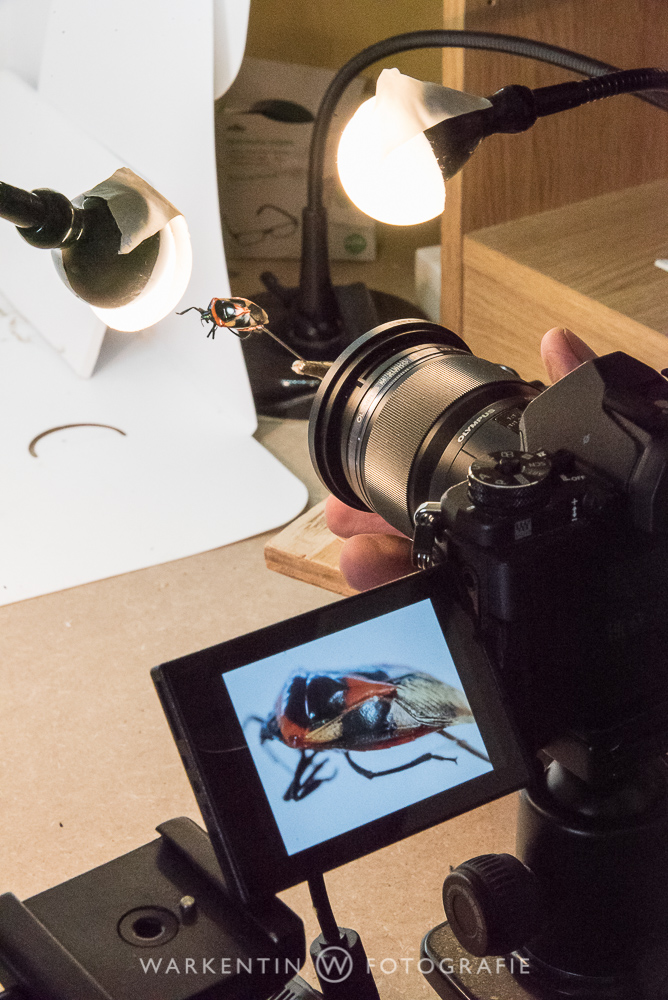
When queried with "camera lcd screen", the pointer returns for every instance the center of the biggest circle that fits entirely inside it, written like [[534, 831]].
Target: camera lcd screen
[[330, 735], [376, 696]]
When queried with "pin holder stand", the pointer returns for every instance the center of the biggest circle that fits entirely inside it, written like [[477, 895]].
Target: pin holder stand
[[116, 930]]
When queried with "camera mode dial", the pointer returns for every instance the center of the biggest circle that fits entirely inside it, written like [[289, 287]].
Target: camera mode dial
[[506, 481]]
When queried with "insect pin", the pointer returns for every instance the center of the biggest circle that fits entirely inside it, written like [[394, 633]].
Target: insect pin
[[241, 316], [371, 708]]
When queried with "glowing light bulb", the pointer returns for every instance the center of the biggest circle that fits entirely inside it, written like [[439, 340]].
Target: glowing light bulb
[[403, 186]]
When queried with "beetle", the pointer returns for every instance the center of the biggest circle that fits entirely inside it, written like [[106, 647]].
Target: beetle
[[241, 316], [359, 710]]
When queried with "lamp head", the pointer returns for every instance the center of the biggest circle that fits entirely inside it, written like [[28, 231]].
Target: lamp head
[[400, 147], [392, 156], [121, 247]]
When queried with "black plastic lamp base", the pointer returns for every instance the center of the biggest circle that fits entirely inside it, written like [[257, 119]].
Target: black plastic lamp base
[[277, 391]]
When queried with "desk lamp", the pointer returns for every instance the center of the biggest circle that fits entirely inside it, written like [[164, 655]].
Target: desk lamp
[[320, 319], [99, 249]]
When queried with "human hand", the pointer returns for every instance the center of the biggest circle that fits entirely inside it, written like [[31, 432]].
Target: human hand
[[374, 551]]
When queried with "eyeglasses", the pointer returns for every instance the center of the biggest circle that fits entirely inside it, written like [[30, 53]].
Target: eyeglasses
[[282, 228]]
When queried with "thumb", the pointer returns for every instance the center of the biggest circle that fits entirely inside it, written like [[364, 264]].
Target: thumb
[[562, 351]]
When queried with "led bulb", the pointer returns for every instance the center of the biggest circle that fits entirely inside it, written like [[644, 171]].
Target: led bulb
[[403, 186]]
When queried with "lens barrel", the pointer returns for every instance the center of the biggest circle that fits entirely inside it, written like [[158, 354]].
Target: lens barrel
[[403, 412]]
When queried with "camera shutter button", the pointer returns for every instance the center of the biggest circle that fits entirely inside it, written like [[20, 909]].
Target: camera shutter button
[[507, 481]]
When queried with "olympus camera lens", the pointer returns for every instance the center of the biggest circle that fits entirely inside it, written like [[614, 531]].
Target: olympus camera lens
[[404, 411]]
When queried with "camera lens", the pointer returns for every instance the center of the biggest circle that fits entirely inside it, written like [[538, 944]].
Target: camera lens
[[402, 414]]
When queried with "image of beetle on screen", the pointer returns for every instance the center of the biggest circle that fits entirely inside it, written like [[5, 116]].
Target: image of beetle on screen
[[357, 724]]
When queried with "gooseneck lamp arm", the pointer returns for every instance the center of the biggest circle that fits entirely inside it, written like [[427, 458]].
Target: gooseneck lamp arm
[[516, 108], [316, 301]]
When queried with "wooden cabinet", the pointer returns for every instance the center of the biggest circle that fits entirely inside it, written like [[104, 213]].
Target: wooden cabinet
[[588, 266], [600, 148]]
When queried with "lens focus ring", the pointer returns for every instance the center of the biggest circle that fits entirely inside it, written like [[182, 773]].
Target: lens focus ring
[[402, 419]]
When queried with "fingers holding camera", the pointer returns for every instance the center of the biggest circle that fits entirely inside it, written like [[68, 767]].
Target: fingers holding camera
[[562, 352], [370, 560], [374, 552], [345, 522]]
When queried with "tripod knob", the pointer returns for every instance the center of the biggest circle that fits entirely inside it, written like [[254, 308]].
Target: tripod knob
[[492, 904]]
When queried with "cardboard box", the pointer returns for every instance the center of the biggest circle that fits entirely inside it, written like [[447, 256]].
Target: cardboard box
[[263, 138]]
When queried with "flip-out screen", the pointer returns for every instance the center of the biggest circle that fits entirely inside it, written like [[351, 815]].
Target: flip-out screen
[[330, 735], [358, 724]]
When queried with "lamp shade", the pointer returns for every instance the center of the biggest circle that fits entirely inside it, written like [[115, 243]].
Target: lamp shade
[[386, 164]]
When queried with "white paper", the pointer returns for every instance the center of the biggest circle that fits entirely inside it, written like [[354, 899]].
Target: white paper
[[138, 209], [94, 502], [23, 27], [405, 107]]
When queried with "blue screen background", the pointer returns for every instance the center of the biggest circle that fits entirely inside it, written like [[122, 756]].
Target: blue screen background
[[409, 639]]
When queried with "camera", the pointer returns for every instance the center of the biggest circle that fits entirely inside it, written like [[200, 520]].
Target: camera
[[547, 510], [548, 506]]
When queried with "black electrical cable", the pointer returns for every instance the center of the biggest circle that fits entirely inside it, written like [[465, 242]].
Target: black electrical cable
[[323, 909]]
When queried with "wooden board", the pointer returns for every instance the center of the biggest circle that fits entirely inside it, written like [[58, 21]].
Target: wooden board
[[307, 550]]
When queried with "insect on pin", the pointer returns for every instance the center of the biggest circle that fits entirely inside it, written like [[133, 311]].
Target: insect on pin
[[361, 710], [241, 316]]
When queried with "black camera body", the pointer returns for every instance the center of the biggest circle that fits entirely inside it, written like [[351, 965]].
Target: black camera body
[[563, 562]]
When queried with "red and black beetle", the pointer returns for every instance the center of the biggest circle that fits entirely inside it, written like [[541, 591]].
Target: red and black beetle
[[241, 316], [358, 710]]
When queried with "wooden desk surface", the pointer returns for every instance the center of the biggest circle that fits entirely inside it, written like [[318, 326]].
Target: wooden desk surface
[[88, 767]]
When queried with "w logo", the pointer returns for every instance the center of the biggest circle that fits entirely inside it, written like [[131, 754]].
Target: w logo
[[333, 964]]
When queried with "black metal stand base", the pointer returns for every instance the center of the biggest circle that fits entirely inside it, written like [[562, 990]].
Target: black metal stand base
[[297, 989], [277, 391], [454, 974]]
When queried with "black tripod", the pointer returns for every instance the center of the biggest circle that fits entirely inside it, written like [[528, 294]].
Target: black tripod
[[585, 915]]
